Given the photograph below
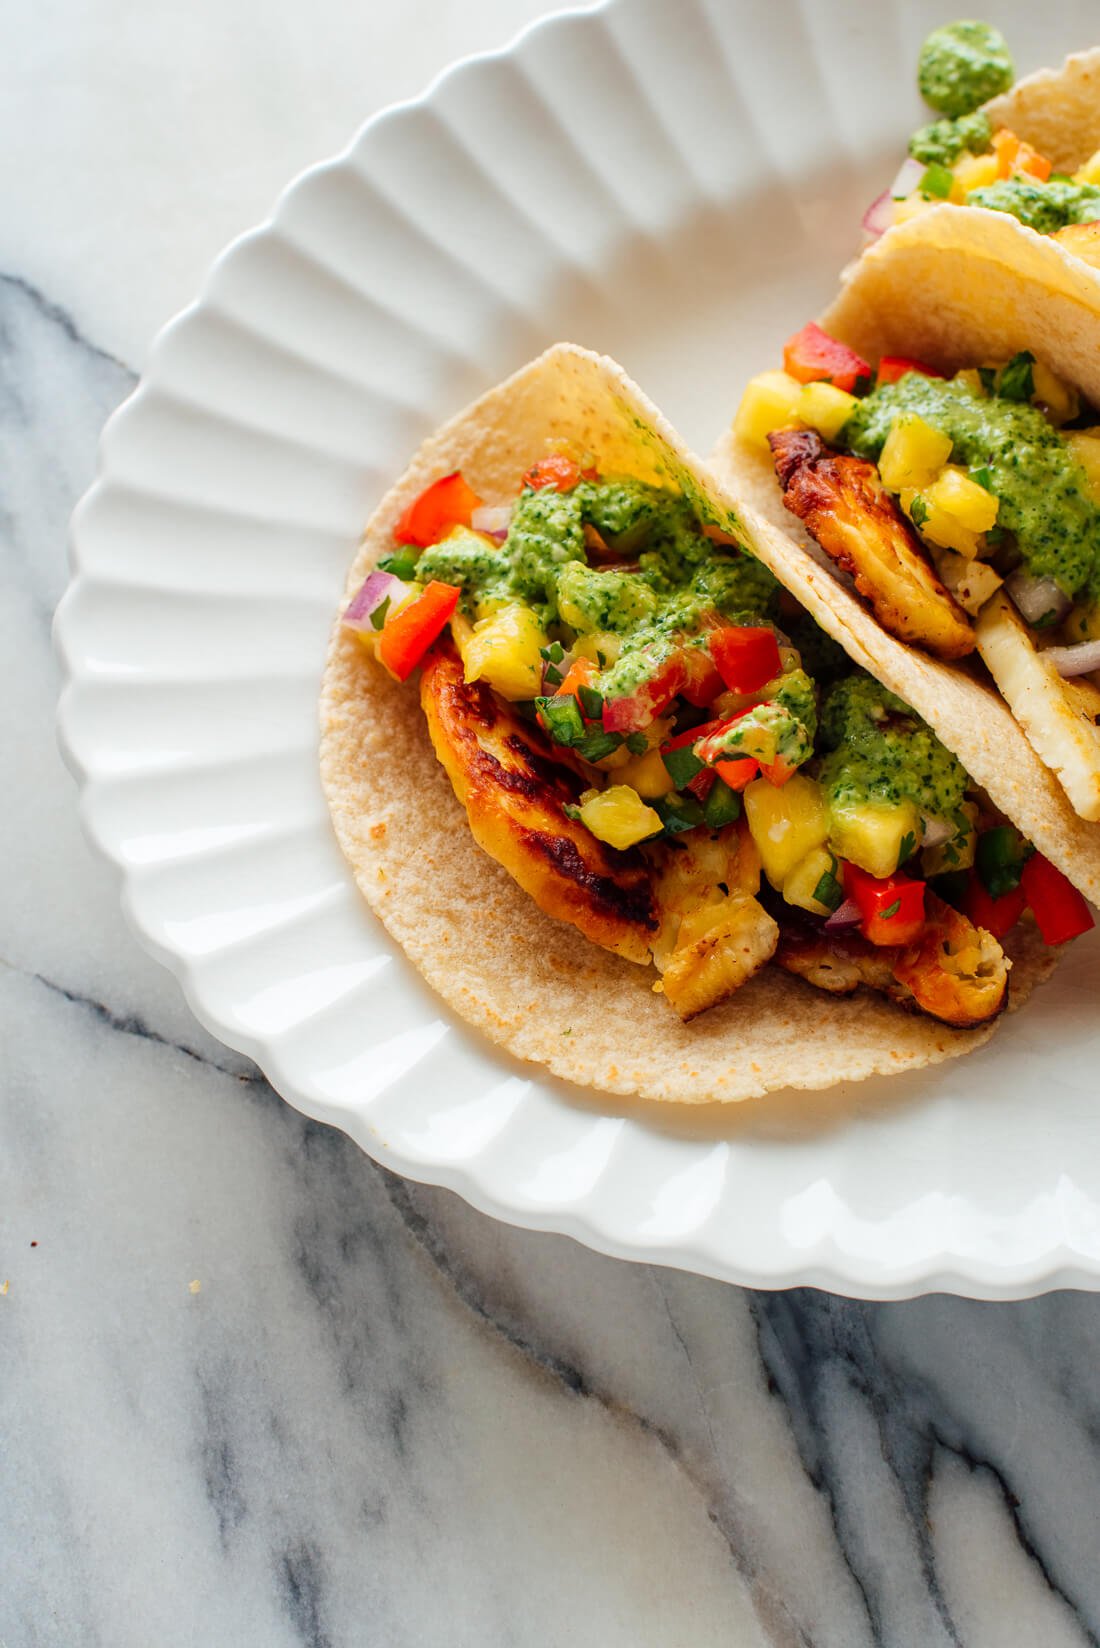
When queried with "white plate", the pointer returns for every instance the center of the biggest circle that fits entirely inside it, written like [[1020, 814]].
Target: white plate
[[677, 185]]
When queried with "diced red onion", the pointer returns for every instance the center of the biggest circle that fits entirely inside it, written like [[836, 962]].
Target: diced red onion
[[844, 917], [1037, 599], [377, 588], [879, 215], [936, 832], [492, 519], [1079, 660], [909, 175]]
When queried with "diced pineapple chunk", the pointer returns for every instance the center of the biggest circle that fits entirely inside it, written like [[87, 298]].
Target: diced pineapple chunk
[[619, 816], [785, 823], [718, 947], [647, 774], [975, 172], [956, 494], [770, 402], [1084, 444], [913, 453], [1090, 171], [603, 646], [1083, 623], [912, 207], [873, 834], [806, 877], [958, 852], [826, 408], [503, 650], [1060, 399], [1082, 240], [971, 379]]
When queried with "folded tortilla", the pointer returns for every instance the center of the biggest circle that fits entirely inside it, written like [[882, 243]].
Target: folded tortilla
[[533, 985]]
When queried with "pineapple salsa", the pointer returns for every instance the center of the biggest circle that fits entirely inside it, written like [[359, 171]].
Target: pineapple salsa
[[692, 692]]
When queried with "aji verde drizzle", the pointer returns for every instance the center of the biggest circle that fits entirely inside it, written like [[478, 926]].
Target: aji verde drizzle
[[1044, 493], [962, 65], [1044, 207], [680, 574], [880, 751]]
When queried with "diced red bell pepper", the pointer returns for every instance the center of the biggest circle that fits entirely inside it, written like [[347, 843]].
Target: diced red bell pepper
[[738, 771], [557, 473], [1059, 908], [891, 909], [997, 915], [409, 632], [778, 771], [812, 355], [447, 503], [703, 683], [747, 658], [893, 367], [636, 711], [701, 785]]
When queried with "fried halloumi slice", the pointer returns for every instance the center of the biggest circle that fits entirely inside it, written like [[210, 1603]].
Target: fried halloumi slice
[[710, 941], [719, 946], [515, 792], [956, 973], [1061, 718], [843, 504]]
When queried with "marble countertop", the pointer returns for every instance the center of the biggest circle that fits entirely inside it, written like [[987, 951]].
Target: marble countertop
[[257, 1391]]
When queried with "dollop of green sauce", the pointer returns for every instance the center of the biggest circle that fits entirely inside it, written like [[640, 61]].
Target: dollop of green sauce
[[963, 64], [1045, 207], [1045, 500], [944, 141], [879, 750]]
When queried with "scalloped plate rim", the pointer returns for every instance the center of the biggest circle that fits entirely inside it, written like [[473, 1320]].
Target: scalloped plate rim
[[828, 1267]]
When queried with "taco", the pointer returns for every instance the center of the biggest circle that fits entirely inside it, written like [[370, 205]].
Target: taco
[[934, 438], [1029, 153], [640, 801]]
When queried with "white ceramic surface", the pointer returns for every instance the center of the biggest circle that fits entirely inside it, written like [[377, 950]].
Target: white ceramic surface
[[676, 186]]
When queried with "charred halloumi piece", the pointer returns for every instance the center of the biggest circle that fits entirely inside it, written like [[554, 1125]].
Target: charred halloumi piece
[[515, 793], [1061, 718], [710, 941], [844, 506], [957, 973]]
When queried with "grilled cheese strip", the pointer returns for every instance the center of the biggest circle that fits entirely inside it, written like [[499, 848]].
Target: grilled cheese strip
[[515, 793], [843, 504], [1061, 718], [956, 972]]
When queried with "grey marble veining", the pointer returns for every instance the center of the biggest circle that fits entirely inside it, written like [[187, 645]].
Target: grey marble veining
[[255, 1391]]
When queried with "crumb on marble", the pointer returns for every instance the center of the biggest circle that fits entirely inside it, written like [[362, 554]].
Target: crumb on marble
[[195, 1286]]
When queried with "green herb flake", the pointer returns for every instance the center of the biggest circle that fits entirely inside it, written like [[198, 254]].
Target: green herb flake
[[637, 743], [682, 765], [891, 910], [908, 846], [591, 702], [829, 891], [378, 616], [1015, 380], [722, 806], [937, 182]]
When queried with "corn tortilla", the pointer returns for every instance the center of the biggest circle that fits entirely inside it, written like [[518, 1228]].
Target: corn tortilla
[[533, 985]]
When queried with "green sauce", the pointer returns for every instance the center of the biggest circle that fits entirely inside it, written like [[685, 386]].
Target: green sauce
[[944, 141], [963, 64], [879, 750], [1044, 493], [681, 576], [1042, 206]]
